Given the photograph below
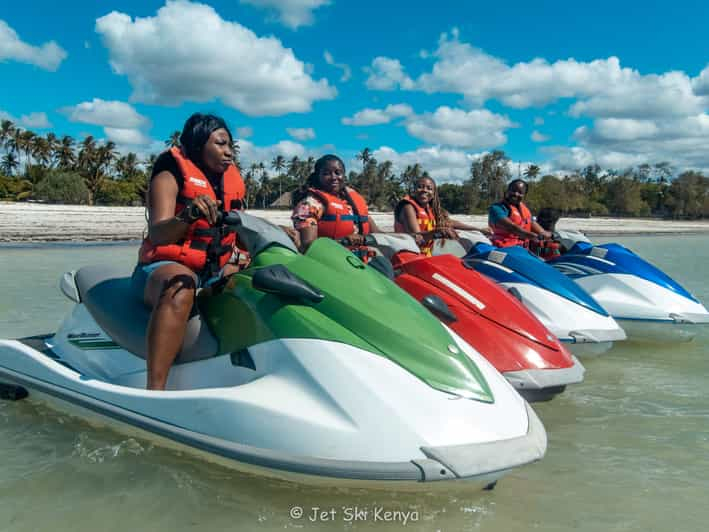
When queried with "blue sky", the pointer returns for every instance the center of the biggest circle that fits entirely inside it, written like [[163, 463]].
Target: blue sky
[[557, 84]]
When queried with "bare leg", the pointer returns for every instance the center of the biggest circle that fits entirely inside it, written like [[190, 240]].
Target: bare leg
[[170, 291]]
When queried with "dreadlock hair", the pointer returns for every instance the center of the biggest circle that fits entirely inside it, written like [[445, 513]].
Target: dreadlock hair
[[440, 215]]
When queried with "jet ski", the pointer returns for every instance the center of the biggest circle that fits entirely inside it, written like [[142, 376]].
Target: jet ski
[[650, 305], [313, 368], [571, 314], [485, 315]]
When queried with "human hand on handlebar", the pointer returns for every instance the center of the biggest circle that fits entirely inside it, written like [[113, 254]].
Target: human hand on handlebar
[[446, 232], [355, 239], [208, 207]]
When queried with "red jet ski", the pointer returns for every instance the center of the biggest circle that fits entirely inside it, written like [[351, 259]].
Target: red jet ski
[[485, 315]]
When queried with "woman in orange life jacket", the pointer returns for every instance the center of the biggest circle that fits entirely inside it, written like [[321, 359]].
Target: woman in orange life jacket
[[185, 247], [327, 207], [421, 215], [511, 221]]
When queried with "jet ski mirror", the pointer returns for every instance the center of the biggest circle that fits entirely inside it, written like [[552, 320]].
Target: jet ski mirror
[[439, 308], [279, 280], [256, 234]]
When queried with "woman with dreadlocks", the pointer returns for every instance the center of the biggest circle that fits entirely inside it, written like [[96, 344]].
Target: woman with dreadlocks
[[421, 214], [327, 207]]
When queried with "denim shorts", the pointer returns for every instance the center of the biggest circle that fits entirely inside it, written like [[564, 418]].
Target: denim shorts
[[142, 272]]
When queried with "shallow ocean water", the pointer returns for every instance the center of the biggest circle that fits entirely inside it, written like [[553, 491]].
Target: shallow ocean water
[[628, 448]]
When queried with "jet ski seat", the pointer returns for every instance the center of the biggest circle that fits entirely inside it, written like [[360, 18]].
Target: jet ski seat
[[107, 295]]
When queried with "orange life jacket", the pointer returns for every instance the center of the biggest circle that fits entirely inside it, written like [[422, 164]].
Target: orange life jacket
[[503, 238], [202, 245], [338, 221], [424, 217]]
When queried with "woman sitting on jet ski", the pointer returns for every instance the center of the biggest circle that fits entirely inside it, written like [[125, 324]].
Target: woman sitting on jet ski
[[421, 215], [327, 207], [186, 247], [511, 221]]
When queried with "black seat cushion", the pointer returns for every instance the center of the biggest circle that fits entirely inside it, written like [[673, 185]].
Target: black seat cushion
[[106, 292]]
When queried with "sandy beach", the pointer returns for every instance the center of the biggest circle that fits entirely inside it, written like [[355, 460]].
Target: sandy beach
[[35, 222]]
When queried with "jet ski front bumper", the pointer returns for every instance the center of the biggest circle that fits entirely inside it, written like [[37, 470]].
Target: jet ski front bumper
[[544, 384]]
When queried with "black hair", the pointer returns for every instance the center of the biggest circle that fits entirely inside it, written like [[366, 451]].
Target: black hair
[[313, 180], [548, 217], [196, 132], [515, 182]]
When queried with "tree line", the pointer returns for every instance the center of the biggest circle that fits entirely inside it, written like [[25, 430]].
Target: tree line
[[63, 170]]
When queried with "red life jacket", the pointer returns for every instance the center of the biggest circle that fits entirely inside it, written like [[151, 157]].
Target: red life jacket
[[545, 249], [339, 220], [202, 244], [424, 217], [502, 238]]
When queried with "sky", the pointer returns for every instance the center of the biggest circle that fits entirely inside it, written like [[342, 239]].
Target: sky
[[556, 83]]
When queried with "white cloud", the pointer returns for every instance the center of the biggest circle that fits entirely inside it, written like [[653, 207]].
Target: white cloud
[[244, 132], [664, 96], [475, 129], [167, 62], [386, 73], [127, 136], [536, 136], [538, 121], [370, 117], [47, 56], [105, 113], [445, 165], [700, 84], [120, 121], [301, 133], [621, 143], [36, 120], [291, 13], [346, 70], [250, 153], [602, 87]]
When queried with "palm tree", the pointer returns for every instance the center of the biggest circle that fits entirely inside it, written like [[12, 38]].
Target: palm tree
[[15, 140], [9, 164], [52, 143], [364, 156], [41, 150], [127, 166], [532, 171], [7, 128], [64, 153], [173, 140], [264, 189], [278, 164]]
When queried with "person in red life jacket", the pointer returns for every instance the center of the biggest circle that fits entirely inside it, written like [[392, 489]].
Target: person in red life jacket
[[185, 247], [511, 221], [421, 215], [327, 207]]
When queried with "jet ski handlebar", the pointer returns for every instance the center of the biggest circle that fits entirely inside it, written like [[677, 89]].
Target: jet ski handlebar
[[369, 240]]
